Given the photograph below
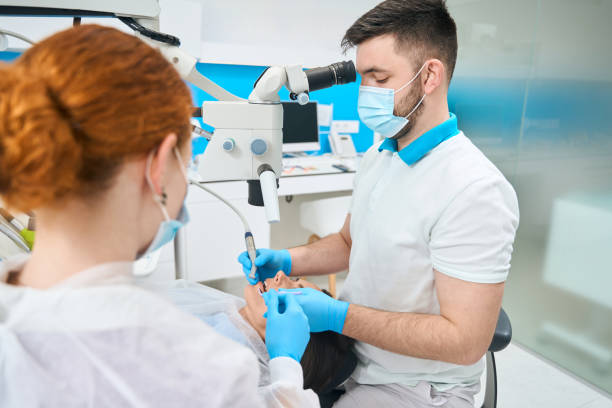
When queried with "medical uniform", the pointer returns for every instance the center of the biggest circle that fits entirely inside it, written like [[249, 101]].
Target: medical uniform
[[437, 204], [98, 340]]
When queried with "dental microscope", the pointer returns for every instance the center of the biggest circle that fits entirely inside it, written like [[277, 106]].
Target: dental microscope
[[246, 143]]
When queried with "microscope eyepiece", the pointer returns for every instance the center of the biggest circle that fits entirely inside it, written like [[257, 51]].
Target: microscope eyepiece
[[335, 74]]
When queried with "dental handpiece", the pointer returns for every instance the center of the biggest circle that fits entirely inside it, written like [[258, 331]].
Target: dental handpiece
[[252, 251]]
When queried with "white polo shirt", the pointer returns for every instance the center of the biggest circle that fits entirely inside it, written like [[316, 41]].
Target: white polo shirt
[[438, 203]]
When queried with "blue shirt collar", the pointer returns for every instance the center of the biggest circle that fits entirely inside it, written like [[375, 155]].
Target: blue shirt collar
[[425, 143]]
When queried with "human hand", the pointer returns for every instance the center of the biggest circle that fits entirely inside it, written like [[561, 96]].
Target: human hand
[[287, 330], [323, 311], [268, 263]]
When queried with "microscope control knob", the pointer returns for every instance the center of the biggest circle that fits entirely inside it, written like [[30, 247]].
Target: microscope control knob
[[259, 147], [303, 98], [229, 144]]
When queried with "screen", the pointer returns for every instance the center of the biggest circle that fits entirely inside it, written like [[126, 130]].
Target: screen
[[300, 123]]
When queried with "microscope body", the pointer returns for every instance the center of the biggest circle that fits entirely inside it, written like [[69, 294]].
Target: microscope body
[[245, 137], [246, 145]]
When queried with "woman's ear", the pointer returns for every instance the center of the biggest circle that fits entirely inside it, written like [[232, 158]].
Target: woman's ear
[[160, 161], [435, 75]]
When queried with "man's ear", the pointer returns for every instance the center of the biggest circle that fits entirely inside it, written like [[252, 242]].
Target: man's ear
[[162, 157], [434, 74]]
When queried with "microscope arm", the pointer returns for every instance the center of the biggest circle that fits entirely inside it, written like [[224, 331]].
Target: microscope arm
[[185, 64]]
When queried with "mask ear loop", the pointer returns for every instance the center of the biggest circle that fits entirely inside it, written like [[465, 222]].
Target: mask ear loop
[[416, 106], [159, 199], [413, 78]]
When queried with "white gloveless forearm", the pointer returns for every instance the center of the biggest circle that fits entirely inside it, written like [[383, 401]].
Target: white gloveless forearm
[[326, 256]]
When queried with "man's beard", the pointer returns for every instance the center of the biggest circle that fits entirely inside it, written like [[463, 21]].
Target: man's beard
[[406, 105]]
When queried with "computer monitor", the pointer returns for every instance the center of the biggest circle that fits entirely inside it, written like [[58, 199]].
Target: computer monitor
[[300, 127]]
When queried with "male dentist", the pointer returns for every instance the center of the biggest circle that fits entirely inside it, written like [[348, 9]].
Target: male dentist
[[429, 236]]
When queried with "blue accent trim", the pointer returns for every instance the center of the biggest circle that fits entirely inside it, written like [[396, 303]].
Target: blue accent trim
[[425, 143], [198, 146], [388, 144], [9, 56]]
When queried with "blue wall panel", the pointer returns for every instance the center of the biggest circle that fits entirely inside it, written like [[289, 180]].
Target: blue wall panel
[[239, 79]]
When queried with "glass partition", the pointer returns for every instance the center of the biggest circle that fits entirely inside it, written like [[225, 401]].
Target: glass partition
[[533, 89]]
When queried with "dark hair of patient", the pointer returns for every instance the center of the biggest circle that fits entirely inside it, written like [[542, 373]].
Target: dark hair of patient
[[326, 360]]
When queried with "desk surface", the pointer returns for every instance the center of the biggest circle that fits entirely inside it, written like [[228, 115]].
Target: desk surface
[[316, 183], [315, 165]]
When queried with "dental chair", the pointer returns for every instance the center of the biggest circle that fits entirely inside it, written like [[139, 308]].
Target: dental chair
[[501, 339]]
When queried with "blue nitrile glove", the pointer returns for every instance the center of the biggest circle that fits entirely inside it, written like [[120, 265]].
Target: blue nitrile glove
[[324, 312], [287, 330], [268, 263]]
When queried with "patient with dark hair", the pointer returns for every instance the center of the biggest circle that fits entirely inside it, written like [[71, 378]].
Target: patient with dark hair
[[328, 360], [326, 352]]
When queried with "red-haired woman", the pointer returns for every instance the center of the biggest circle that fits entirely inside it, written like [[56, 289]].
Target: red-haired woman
[[94, 137]]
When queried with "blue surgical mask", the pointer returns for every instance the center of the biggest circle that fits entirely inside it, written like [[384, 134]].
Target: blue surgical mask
[[169, 227], [375, 108]]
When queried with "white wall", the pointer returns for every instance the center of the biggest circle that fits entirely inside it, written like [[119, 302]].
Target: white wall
[[277, 31], [237, 31], [182, 18], [529, 38]]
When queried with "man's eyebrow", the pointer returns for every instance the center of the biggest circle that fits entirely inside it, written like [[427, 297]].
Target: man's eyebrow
[[373, 70]]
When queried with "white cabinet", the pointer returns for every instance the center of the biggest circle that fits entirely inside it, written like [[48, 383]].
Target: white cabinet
[[215, 238]]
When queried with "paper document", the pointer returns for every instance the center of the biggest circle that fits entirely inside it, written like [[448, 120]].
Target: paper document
[[325, 114]]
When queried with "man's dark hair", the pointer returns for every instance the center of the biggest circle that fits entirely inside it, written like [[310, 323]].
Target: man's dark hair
[[424, 27]]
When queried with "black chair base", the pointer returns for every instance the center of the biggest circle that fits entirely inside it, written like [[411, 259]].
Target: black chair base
[[490, 399], [501, 339]]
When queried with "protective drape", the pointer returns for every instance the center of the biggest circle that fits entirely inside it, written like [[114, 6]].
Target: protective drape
[[98, 340]]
